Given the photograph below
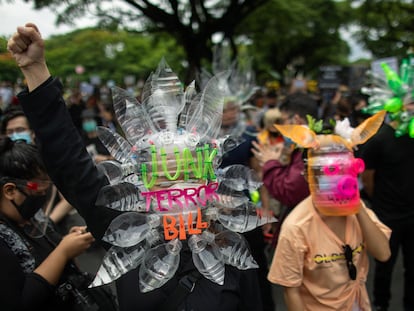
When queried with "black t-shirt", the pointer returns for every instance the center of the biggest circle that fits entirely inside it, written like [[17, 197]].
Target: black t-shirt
[[392, 158]]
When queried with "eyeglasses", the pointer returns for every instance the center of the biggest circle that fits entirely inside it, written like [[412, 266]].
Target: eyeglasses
[[36, 185], [352, 271]]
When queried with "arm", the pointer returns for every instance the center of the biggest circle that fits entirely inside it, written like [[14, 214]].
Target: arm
[[293, 299], [30, 291], [286, 183], [375, 240], [67, 161], [61, 209], [27, 47], [71, 246]]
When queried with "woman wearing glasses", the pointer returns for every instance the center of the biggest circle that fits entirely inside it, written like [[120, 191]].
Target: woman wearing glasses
[[321, 258], [33, 258]]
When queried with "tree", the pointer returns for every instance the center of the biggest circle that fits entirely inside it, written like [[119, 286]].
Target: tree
[[8, 69], [299, 34], [192, 23], [385, 27], [110, 54]]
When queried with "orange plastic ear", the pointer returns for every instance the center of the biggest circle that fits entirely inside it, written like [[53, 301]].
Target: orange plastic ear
[[368, 128], [301, 135]]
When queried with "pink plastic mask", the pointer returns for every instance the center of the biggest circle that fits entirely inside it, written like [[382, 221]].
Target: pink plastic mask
[[333, 182]]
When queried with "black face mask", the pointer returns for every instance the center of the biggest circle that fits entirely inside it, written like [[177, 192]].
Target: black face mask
[[31, 205]]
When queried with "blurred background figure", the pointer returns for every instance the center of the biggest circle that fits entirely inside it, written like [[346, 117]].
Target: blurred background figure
[[107, 115], [90, 137], [282, 163]]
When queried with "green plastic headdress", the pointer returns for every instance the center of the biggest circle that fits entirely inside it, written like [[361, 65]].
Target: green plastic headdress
[[394, 94]]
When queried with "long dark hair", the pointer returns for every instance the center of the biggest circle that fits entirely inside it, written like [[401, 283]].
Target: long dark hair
[[19, 160]]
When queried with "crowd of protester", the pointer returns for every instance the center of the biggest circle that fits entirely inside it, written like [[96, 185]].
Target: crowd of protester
[[285, 186]]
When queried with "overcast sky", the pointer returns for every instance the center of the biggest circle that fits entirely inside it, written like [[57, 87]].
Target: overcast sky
[[13, 15], [18, 13]]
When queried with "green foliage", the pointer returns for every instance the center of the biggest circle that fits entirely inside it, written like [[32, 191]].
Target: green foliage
[[281, 36], [8, 69], [110, 54], [314, 125], [318, 126], [386, 27], [302, 34]]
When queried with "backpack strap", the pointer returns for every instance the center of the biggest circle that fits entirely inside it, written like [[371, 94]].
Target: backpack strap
[[185, 286]]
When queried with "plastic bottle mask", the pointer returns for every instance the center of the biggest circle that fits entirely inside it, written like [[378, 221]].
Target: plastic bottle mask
[[333, 181]]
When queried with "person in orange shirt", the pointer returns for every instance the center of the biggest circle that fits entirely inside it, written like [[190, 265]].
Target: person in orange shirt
[[322, 255]]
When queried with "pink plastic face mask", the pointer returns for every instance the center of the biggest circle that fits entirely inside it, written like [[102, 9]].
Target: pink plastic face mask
[[333, 182]]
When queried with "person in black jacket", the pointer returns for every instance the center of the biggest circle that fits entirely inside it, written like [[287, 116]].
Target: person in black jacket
[[76, 176], [31, 265]]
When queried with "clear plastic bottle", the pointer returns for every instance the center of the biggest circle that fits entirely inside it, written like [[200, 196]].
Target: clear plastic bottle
[[121, 197], [207, 119], [117, 146], [159, 265], [165, 101], [242, 218], [131, 116], [130, 228], [235, 250], [119, 260], [116, 172], [207, 257], [239, 177]]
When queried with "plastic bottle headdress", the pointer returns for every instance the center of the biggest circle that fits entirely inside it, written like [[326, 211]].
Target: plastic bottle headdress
[[395, 94], [332, 169], [165, 178]]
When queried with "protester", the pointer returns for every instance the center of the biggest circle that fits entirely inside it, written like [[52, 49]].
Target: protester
[[322, 253], [93, 144], [387, 181], [16, 126], [271, 139], [73, 171], [282, 163], [33, 266]]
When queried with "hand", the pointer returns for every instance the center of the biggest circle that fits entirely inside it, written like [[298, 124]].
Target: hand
[[75, 243], [28, 49], [100, 158], [27, 46], [264, 153]]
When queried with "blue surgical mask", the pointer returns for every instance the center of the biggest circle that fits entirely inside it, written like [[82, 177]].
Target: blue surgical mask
[[26, 136], [89, 126]]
